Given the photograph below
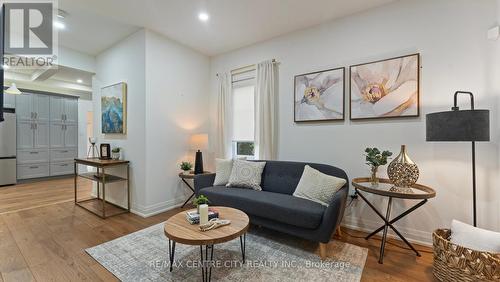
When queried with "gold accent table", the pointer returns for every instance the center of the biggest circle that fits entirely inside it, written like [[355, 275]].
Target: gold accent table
[[98, 205], [178, 230], [385, 188]]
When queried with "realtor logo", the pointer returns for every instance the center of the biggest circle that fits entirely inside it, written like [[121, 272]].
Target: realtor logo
[[28, 28]]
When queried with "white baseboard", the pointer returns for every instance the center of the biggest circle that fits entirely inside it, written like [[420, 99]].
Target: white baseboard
[[147, 211], [412, 235]]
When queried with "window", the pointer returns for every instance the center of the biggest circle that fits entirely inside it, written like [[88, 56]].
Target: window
[[243, 120]]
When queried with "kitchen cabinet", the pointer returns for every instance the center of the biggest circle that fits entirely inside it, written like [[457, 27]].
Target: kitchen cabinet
[[47, 134]]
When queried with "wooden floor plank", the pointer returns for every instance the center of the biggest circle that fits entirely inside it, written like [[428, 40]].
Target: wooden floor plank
[[48, 243]]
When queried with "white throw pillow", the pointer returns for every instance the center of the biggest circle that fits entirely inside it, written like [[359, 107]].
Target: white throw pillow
[[246, 174], [471, 237], [317, 186], [223, 169]]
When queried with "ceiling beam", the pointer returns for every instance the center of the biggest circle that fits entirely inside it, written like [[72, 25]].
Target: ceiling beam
[[43, 73]]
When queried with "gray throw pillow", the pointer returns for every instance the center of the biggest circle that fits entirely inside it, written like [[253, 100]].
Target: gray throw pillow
[[246, 174], [317, 186], [223, 169]]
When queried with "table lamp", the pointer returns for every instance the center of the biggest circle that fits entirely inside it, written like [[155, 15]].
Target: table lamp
[[198, 143], [461, 126]]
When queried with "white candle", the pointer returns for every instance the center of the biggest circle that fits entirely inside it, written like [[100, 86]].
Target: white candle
[[203, 213]]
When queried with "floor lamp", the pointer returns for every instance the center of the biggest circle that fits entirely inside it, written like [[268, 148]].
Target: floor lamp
[[461, 125]]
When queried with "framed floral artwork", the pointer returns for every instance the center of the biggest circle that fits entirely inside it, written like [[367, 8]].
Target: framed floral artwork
[[385, 89], [319, 96]]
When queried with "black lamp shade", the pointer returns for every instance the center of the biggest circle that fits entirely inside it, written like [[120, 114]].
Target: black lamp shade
[[458, 125]]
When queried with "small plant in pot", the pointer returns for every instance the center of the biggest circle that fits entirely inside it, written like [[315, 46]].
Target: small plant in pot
[[375, 158], [186, 167], [200, 200], [116, 153]]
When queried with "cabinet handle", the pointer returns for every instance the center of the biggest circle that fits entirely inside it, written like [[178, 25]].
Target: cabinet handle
[[36, 125], [64, 165], [36, 115], [33, 153], [64, 151], [33, 167]]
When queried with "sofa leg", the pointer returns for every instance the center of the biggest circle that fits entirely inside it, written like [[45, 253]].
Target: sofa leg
[[339, 231], [323, 247]]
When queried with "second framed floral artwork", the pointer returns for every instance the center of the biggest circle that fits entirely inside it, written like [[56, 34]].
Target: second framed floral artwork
[[385, 89], [319, 96]]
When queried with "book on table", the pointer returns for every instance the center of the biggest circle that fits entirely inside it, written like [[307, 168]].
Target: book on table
[[194, 218]]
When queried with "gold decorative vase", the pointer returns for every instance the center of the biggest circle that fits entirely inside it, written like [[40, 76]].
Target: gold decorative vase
[[402, 171]]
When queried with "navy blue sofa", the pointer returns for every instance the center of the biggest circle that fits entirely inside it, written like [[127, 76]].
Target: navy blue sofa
[[275, 207]]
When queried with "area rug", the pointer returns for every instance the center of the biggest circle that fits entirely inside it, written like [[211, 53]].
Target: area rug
[[270, 256]]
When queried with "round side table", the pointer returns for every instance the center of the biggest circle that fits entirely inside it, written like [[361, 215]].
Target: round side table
[[385, 188]]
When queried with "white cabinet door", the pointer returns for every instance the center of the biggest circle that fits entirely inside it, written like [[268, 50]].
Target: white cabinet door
[[71, 110], [70, 135], [41, 107], [9, 101], [56, 109], [25, 137], [41, 135], [57, 135], [24, 107]]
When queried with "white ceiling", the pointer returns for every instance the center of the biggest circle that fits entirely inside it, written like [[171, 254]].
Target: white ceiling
[[94, 25]]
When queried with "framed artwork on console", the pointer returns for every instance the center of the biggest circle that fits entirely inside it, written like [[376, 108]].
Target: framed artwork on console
[[385, 89], [319, 96]]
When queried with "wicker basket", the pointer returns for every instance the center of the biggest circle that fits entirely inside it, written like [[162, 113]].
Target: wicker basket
[[457, 263]]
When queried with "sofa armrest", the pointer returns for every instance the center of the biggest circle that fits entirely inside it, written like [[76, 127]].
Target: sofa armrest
[[202, 181], [333, 214]]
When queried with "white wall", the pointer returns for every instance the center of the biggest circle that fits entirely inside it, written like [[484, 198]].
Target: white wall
[[167, 98], [77, 60], [176, 107], [125, 62], [450, 35]]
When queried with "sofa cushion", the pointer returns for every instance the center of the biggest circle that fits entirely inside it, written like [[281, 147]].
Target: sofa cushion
[[246, 174], [283, 177], [317, 186], [275, 206], [223, 169]]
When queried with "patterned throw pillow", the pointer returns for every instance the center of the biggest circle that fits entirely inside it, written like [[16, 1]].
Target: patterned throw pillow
[[246, 174], [317, 186], [223, 169]]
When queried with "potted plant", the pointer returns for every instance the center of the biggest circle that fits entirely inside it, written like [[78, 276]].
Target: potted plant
[[200, 200], [116, 155], [375, 158], [186, 167]]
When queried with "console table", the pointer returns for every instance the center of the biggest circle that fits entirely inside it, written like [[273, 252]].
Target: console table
[[98, 205], [385, 188]]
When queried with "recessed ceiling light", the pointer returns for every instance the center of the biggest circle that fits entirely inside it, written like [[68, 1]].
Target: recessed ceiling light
[[59, 25], [79, 81], [203, 16]]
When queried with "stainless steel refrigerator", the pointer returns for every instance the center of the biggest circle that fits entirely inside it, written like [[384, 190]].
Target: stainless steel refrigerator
[[8, 148]]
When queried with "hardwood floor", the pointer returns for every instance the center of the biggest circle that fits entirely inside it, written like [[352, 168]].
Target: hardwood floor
[[37, 194], [47, 243]]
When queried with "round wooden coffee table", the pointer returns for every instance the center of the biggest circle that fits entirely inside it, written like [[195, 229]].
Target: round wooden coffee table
[[179, 230]]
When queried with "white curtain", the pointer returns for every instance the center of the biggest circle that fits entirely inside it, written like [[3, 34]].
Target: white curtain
[[223, 122], [266, 110]]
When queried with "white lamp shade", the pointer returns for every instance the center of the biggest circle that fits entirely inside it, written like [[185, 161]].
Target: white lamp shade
[[199, 142], [13, 90]]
